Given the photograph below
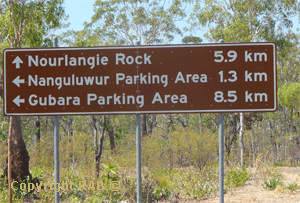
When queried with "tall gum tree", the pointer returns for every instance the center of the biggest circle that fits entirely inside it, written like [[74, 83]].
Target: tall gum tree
[[288, 77], [243, 21], [129, 22], [26, 23]]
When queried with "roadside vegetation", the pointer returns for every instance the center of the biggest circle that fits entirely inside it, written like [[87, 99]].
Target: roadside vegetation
[[179, 151]]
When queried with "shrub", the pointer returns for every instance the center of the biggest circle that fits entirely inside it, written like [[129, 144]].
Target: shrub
[[293, 187], [276, 180], [235, 177], [19, 190], [202, 185]]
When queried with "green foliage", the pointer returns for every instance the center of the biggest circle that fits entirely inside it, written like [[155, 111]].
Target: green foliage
[[3, 130], [82, 38], [161, 194], [129, 21], [202, 190], [86, 188], [179, 149], [288, 52], [27, 23], [293, 187], [3, 184], [111, 171], [274, 181], [153, 188], [75, 193], [289, 95], [77, 149], [39, 172], [279, 164], [21, 189], [236, 177], [277, 180], [203, 185], [243, 21], [163, 184], [191, 39]]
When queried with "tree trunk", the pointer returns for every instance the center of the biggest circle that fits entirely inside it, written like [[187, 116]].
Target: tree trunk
[[38, 126], [111, 135], [97, 162], [19, 153], [152, 124], [284, 122], [144, 124], [291, 121], [169, 122], [69, 128], [231, 137], [200, 123], [98, 146], [241, 141], [185, 121], [46, 125]]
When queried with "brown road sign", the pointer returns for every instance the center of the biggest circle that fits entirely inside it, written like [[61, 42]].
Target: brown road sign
[[140, 79]]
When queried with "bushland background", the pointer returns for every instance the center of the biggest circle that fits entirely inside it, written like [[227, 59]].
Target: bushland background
[[179, 151]]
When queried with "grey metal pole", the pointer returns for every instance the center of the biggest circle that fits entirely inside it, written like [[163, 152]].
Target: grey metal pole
[[56, 146], [221, 158], [138, 159], [9, 160], [138, 150], [221, 153]]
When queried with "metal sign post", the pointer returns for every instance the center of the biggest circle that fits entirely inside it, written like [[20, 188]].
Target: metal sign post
[[56, 147], [221, 157], [138, 159], [138, 143], [221, 153], [56, 157], [9, 164]]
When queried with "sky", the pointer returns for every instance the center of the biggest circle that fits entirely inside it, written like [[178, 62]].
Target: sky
[[81, 11]]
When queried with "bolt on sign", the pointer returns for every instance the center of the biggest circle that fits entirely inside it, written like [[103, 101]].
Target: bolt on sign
[[140, 79]]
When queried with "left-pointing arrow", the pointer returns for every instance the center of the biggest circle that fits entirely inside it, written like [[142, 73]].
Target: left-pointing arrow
[[18, 101], [17, 61], [18, 81]]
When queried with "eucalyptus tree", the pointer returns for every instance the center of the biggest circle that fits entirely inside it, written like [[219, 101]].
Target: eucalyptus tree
[[132, 22], [83, 38], [29, 23], [26, 23], [288, 76], [289, 97], [288, 57], [128, 22], [243, 21]]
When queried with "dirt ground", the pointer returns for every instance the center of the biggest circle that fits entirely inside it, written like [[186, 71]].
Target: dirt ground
[[253, 190]]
